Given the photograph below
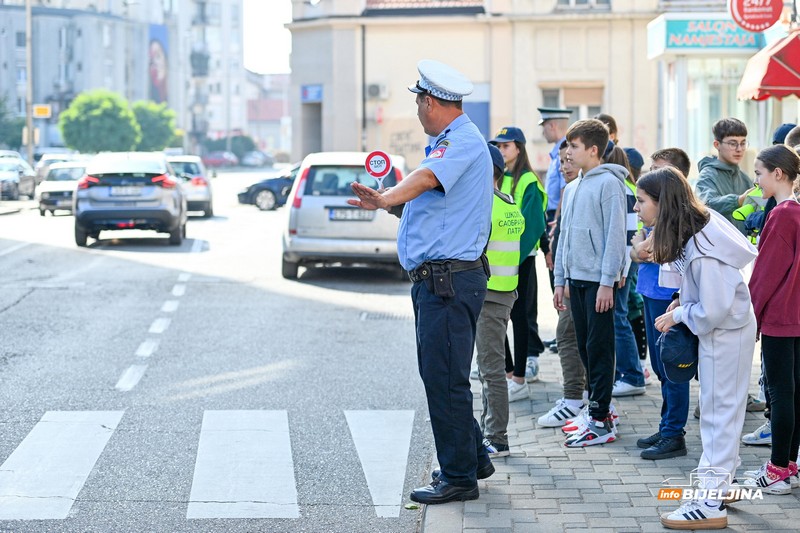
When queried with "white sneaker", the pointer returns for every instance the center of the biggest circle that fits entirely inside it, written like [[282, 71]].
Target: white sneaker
[[626, 389], [558, 415], [696, 515], [770, 479], [596, 432], [648, 379], [532, 369], [517, 391], [579, 423], [474, 374], [760, 437]]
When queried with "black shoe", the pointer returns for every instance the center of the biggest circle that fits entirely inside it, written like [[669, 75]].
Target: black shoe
[[483, 472], [666, 448], [443, 492], [646, 442]]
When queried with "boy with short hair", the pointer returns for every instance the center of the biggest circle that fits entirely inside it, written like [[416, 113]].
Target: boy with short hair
[[673, 157], [590, 257], [722, 186]]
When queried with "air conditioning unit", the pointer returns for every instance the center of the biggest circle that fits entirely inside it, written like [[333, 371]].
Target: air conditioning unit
[[377, 91]]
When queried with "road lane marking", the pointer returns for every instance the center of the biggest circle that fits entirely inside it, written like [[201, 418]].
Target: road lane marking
[[198, 245], [179, 289], [43, 476], [130, 378], [183, 277], [160, 325], [147, 348], [244, 467], [14, 248], [382, 440], [170, 306]]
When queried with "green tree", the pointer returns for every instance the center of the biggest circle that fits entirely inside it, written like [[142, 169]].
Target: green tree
[[10, 127], [99, 121], [240, 145], [157, 122]]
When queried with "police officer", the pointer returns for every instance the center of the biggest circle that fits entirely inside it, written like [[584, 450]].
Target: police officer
[[443, 231], [554, 122]]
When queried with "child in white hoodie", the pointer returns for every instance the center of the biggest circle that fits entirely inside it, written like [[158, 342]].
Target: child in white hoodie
[[715, 305]]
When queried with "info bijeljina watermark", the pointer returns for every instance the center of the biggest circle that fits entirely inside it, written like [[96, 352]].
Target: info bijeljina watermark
[[678, 489]]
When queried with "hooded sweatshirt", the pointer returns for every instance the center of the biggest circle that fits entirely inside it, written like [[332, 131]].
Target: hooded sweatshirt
[[713, 292], [719, 187], [592, 242]]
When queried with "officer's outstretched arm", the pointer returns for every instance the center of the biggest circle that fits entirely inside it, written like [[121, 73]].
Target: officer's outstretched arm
[[413, 185]]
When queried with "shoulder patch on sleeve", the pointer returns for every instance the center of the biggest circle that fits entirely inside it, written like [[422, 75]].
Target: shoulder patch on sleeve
[[443, 142], [438, 153]]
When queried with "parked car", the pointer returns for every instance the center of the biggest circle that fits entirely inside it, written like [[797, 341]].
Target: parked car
[[270, 193], [196, 183], [257, 158], [58, 188], [129, 190], [220, 159], [10, 153], [17, 178], [323, 229]]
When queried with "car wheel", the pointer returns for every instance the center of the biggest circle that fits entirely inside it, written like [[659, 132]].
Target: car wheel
[[176, 235], [15, 193], [80, 236], [289, 269], [265, 200], [208, 212], [42, 211]]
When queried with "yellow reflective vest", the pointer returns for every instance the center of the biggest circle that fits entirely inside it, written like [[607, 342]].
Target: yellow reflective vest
[[502, 251]]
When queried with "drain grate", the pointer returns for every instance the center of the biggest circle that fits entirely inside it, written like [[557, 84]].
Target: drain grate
[[384, 316]]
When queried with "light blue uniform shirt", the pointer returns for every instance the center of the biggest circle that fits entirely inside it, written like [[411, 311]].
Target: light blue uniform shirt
[[555, 178], [453, 223]]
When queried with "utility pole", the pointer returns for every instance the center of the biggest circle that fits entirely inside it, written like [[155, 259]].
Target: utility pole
[[28, 82]]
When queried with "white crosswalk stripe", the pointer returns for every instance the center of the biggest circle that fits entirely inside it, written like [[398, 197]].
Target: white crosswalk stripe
[[42, 477], [244, 467], [382, 440]]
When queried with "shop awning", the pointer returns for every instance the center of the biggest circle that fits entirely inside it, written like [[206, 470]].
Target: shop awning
[[774, 71]]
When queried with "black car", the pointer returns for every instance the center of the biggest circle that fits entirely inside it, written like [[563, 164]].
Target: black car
[[270, 193]]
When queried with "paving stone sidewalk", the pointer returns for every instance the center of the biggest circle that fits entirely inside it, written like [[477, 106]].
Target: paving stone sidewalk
[[543, 486]]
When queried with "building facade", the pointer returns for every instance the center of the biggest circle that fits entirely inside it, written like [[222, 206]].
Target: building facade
[[353, 59]]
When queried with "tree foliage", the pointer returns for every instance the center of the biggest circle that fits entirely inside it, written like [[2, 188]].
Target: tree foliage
[[157, 123], [99, 121], [240, 145], [10, 126]]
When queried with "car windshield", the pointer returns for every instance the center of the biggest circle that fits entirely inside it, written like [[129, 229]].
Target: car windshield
[[186, 167], [336, 180], [65, 174], [9, 165]]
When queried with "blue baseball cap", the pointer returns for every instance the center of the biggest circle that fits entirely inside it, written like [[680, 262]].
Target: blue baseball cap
[[497, 157], [679, 353], [635, 159], [781, 132], [509, 134]]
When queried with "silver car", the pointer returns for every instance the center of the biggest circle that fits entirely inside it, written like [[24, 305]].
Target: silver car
[[196, 184], [323, 229], [58, 187], [129, 190]]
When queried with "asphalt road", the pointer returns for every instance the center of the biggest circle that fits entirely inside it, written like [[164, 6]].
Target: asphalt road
[[149, 387]]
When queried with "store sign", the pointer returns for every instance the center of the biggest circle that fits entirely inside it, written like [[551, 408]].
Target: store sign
[[755, 15], [704, 33], [311, 94]]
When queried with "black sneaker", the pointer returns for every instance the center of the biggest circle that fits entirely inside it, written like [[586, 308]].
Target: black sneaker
[[666, 448], [495, 449], [646, 442]]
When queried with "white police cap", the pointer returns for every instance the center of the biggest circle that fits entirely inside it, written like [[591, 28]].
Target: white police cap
[[441, 81], [550, 113]]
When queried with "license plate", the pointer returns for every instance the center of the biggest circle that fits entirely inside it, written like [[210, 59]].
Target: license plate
[[351, 214], [63, 202], [126, 191]]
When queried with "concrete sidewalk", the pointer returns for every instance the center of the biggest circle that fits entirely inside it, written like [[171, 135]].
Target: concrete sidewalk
[[9, 208], [544, 486]]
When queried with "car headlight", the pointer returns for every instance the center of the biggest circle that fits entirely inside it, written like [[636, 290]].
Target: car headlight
[[45, 195]]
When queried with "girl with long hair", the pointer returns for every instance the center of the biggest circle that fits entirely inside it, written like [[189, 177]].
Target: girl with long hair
[[714, 303]]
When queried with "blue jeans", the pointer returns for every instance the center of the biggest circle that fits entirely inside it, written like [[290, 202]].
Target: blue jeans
[[675, 396], [445, 342], [629, 369]]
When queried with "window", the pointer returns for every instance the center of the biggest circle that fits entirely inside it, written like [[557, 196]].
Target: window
[[235, 9], [584, 102], [335, 181], [20, 39], [551, 98], [213, 13], [21, 74]]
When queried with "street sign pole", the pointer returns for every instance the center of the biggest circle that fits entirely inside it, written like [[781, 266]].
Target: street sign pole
[[28, 81]]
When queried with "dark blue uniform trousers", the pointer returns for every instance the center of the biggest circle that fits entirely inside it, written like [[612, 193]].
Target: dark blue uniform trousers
[[445, 342]]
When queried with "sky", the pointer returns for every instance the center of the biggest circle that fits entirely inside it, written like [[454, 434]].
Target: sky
[[267, 43]]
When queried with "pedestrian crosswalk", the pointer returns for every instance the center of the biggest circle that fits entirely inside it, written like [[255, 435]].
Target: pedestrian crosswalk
[[244, 465]]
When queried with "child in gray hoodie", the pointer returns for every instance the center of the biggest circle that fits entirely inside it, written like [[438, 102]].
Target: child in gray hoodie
[[591, 257]]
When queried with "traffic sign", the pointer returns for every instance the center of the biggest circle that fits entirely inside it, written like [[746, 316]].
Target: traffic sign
[[42, 111], [378, 164], [755, 15]]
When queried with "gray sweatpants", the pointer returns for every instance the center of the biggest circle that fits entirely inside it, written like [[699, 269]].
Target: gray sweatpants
[[490, 343], [572, 370]]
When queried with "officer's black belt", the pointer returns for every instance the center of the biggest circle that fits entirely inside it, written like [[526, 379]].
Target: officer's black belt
[[456, 265]]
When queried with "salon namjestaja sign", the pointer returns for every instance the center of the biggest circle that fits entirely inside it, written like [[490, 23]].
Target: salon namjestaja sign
[[699, 33]]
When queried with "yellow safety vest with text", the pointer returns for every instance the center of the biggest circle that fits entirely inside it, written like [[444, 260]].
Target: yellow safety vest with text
[[502, 251]]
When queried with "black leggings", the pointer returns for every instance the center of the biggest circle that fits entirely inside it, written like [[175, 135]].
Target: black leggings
[[782, 368], [524, 317]]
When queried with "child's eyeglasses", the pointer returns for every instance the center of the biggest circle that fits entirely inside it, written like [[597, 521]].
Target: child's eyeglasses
[[733, 145]]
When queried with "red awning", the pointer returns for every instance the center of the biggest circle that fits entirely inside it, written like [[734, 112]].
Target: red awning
[[774, 71]]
